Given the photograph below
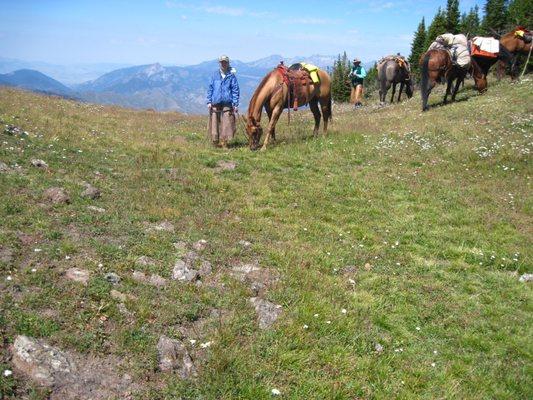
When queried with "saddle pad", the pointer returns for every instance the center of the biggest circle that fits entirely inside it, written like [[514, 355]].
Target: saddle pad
[[487, 44]]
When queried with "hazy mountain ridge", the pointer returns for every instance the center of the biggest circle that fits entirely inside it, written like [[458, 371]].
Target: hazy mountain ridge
[[163, 88]]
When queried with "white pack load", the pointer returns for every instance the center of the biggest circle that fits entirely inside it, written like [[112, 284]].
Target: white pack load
[[488, 44], [457, 45]]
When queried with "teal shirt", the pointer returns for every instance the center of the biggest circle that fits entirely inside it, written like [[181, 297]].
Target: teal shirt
[[358, 74]]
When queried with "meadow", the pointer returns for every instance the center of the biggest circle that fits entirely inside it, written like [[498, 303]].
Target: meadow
[[394, 246]]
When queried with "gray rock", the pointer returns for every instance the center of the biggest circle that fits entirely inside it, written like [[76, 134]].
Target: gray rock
[[57, 195], [39, 361], [157, 281], [205, 268], [91, 192], [6, 255], [173, 356], [526, 278], [4, 167], [145, 261], [378, 347], [113, 278], [78, 275], [97, 209], [69, 376], [182, 246], [39, 163], [200, 245], [267, 312], [223, 165], [121, 296], [182, 272], [163, 226], [139, 276], [244, 243]]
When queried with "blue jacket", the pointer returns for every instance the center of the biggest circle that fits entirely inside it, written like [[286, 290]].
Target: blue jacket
[[223, 91]]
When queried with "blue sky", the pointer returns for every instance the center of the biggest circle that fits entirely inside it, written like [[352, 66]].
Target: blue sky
[[178, 32]]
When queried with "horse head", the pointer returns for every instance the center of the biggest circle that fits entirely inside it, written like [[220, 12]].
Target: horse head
[[254, 131], [409, 87]]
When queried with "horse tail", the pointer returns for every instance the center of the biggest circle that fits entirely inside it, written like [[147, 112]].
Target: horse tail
[[424, 81]]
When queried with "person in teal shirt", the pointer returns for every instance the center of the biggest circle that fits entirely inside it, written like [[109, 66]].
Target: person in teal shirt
[[357, 76]]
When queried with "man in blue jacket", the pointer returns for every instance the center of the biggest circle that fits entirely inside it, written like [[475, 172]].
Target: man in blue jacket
[[222, 103]]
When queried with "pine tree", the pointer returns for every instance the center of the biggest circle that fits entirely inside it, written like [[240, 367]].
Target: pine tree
[[470, 23], [520, 13], [340, 83], [452, 16], [418, 46], [495, 16], [437, 27]]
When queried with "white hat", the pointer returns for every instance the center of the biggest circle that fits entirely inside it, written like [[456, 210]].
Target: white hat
[[223, 58]]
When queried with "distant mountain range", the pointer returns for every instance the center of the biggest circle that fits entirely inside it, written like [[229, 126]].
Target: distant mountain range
[[155, 86]]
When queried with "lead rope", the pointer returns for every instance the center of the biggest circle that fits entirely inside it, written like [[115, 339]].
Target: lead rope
[[527, 62]]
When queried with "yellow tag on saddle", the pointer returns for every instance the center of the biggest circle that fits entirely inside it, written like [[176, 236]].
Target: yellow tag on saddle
[[520, 33], [313, 71]]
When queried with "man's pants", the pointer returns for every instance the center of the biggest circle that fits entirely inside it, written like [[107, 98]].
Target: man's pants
[[222, 127], [357, 94]]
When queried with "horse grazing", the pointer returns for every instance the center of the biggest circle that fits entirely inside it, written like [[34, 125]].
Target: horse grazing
[[287, 88], [516, 42], [436, 66], [392, 71], [481, 66]]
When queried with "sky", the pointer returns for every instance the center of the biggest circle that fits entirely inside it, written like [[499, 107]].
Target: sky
[[175, 32]]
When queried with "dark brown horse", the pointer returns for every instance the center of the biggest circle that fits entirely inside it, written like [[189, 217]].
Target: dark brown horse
[[516, 42], [275, 93], [437, 66], [481, 66]]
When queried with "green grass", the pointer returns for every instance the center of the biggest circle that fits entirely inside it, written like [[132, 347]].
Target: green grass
[[437, 205]]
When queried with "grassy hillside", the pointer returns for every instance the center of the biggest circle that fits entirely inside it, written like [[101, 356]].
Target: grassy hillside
[[394, 244]]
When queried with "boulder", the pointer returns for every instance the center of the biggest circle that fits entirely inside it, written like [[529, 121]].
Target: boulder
[[267, 312], [174, 356], [56, 195]]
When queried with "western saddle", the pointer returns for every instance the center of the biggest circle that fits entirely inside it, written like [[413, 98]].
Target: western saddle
[[298, 80]]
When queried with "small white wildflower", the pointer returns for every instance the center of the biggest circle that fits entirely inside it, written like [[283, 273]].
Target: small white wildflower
[[328, 322], [306, 327], [417, 328], [344, 311], [34, 270], [67, 257], [205, 345], [351, 281], [398, 264], [316, 315], [433, 364], [9, 278], [8, 372], [100, 265], [37, 250], [434, 351], [275, 392]]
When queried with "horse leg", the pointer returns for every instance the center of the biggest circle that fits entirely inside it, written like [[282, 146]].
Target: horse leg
[[313, 105], [325, 105], [383, 88], [401, 90], [393, 92], [448, 89], [276, 112], [456, 88], [269, 114]]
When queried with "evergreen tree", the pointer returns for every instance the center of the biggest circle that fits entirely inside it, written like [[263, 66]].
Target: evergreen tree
[[437, 27], [520, 13], [470, 23], [452, 16], [495, 16], [340, 82], [418, 47]]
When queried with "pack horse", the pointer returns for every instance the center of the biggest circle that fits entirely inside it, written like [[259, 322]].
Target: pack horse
[[285, 88]]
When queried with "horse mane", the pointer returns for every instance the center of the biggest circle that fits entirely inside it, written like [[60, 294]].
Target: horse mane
[[258, 90]]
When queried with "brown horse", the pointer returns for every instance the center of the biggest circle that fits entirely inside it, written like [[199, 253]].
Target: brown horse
[[275, 93], [436, 66], [481, 66], [515, 44]]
